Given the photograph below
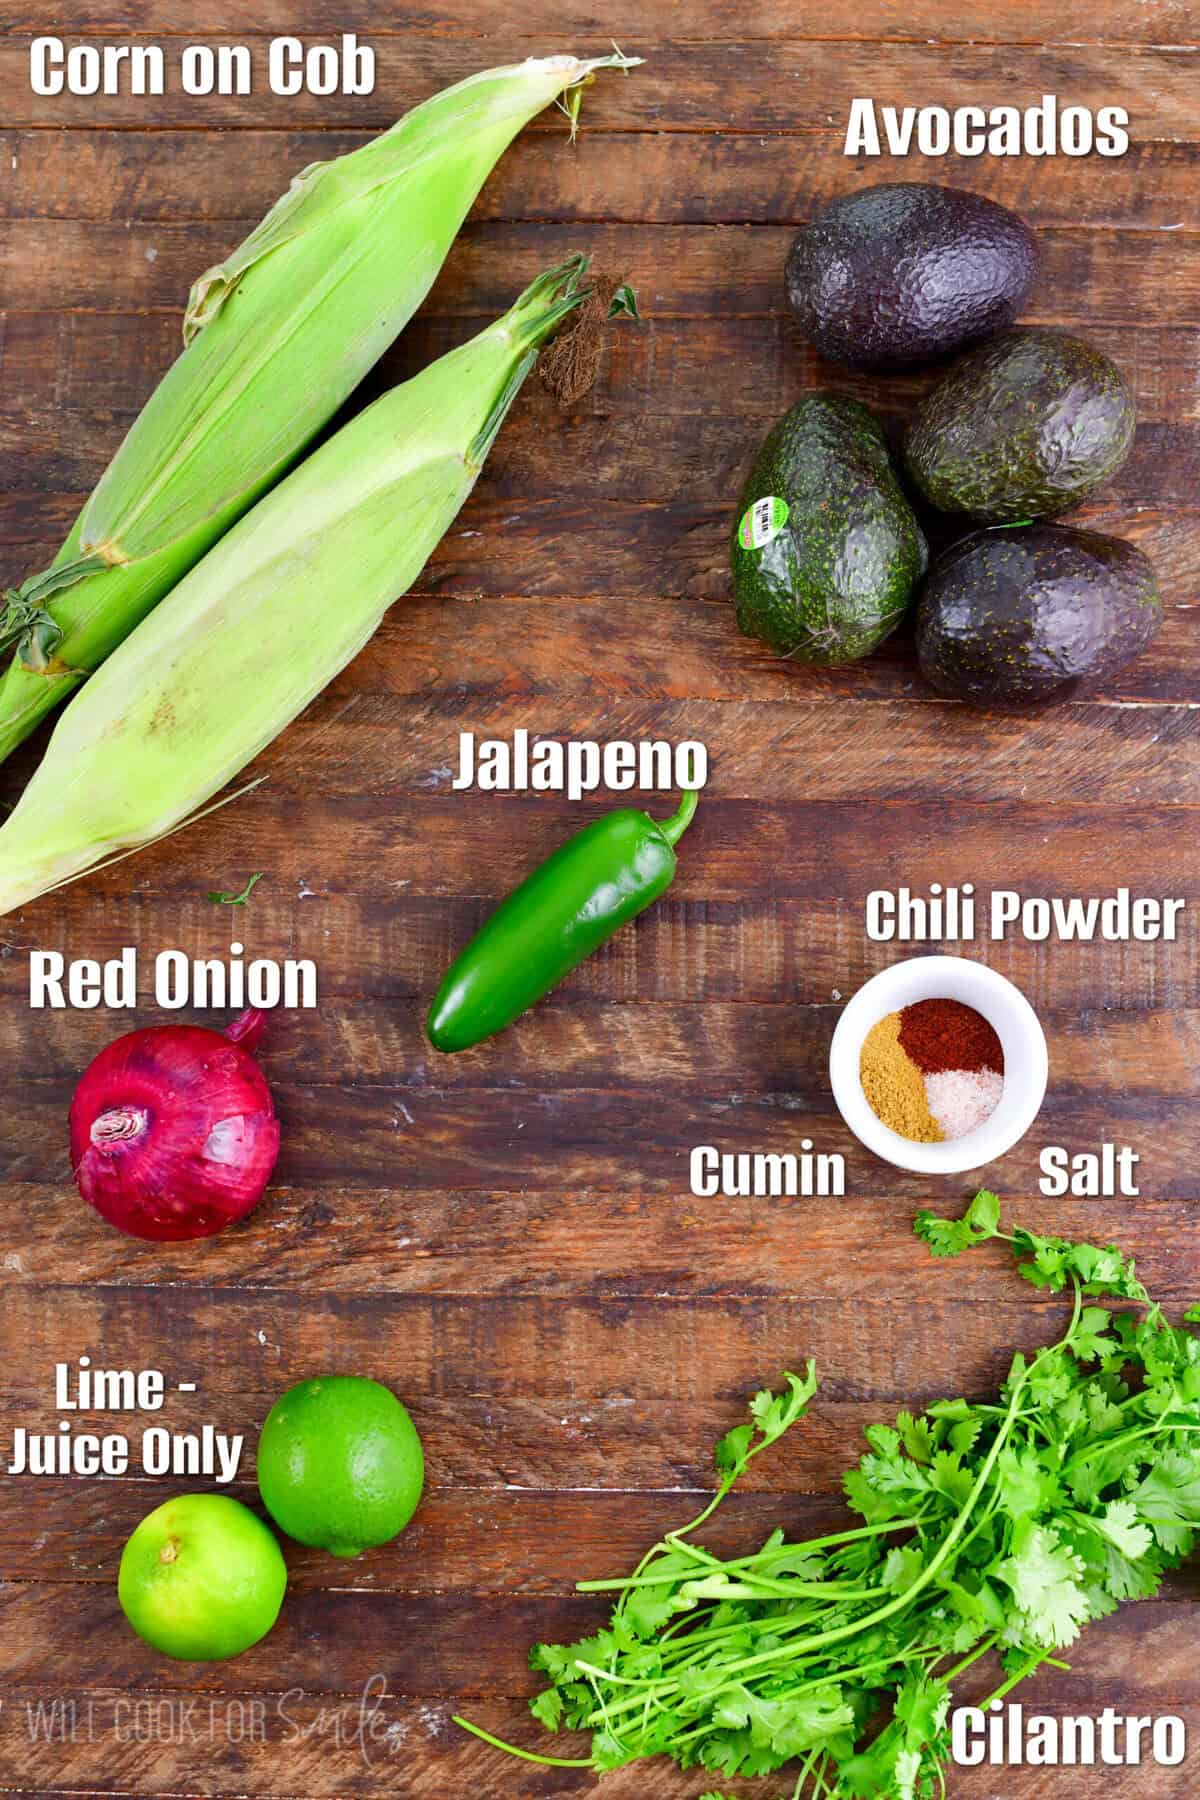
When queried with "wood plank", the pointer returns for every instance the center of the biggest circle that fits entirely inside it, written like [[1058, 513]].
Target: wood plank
[[431, 1646], [693, 1049], [431, 838], [1088, 752], [706, 941], [519, 554], [735, 271], [711, 85], [648, 461], [667, 177], [975, 22], [493, 1541], [770, 1061], [576, 1444], [100, 366], [544, 641], [418, 1241], [730, 273], [532, 1347]]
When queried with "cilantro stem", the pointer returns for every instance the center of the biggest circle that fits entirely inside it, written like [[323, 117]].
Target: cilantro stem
[[821, 1780], [960, 1668], [744, 1587], [530, 1756], [807, 1764], [1107, 1445], [1006, 1687], [683, 1531], [780, 1553], [638, 1681]]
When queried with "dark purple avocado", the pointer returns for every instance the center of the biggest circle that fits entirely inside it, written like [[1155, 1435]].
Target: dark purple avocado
[[1019, 617], [900, 274]]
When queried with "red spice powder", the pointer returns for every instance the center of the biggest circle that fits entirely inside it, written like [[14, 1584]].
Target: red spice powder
[[945, 1034]]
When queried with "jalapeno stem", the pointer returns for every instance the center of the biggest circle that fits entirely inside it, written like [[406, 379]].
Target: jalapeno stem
[[674, 827]]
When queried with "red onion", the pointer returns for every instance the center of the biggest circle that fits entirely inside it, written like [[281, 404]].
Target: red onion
[[173, 1133]]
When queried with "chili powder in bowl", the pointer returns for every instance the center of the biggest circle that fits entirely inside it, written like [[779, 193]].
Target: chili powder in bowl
[[939, 1064]]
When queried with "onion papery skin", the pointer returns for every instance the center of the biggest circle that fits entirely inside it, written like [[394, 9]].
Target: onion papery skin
[[173, 1132]]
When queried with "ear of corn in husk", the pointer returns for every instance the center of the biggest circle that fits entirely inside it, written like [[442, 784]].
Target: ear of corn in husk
[[273, 612], [276, 338]]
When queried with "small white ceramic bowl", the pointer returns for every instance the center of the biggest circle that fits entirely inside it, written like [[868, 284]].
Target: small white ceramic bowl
[[1021, 1038]]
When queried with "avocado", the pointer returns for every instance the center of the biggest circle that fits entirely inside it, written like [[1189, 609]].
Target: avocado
[[896, 275], [1021, 427], [1018, 617], [826, 550]]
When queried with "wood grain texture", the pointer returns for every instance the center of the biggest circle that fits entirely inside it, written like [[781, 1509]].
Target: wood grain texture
[[429, 1241], [682, 271], [1005, 21], [658, 176], [508, 1237]]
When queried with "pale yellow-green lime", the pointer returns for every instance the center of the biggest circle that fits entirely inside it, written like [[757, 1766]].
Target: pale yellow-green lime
[[201, 1578], [340, 1464]]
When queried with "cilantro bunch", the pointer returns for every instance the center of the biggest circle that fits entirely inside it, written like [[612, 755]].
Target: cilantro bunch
[[1002, 1527]]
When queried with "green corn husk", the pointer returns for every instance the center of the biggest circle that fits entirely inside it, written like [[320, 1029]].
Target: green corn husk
[[273, 612], [276, 337]]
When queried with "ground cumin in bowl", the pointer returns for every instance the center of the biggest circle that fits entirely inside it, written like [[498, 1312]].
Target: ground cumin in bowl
[[939, 1064]]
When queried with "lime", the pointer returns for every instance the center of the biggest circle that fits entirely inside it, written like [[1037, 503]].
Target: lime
[[201, 1578], [340, 1464]]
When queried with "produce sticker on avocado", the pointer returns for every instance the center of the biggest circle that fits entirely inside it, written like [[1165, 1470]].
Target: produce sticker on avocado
[[762, 522]]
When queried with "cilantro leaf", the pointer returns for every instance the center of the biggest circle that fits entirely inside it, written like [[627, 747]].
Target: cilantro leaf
[[788, 1726], [1050, 1262], [950, 1237], [1024, 1486], [1120, 1525], [1088, 1341], [771, 1415], [1047, 1262], [1168, 1499], [732, 1451], [916, 1435], [547, 1708], [1044, 1577]]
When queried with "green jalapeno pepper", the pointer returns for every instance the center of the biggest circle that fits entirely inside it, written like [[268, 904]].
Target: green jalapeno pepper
[[592, 885]]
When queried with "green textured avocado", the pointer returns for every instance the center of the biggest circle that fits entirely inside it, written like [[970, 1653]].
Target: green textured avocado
[[1019, 617], [1022, 427], [826, 550]]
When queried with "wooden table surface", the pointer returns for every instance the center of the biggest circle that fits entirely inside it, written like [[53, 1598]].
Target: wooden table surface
[[507, 1237]]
